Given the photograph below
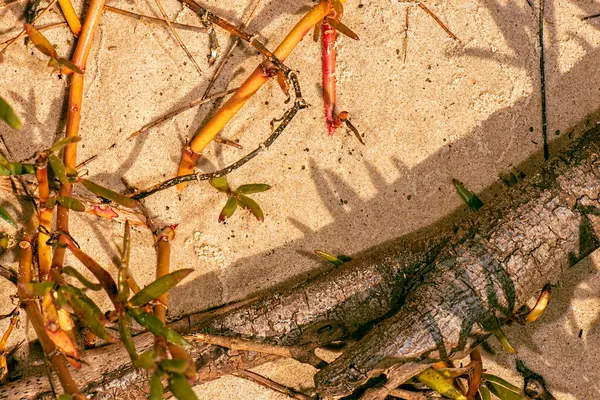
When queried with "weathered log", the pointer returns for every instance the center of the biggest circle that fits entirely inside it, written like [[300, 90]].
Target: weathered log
[[460, 286], [541, 228]]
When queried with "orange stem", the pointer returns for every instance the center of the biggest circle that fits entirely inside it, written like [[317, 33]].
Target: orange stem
[[328, 36], [248, 89], [45, 217], [70, 16]]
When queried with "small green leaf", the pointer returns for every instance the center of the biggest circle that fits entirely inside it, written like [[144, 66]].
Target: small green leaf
[[86, 310], [70, 203], [68, 64], [502, 392], [65, 396], [178, 366], [15, 168], [4, 240], [51, 202], [437, 382], [471, 199], [126, 337], [84, 281], [228, 209], [504, 341], [253, 188], [109, 194], [8, 115], [155, 326], [499, 381], [180, 387], [484, 393], [36, 289], [156, 389], [58, 168], [329, 257], [249, 204], [40, 41], [7, 217], [158, 287], [220, 184], [62, 143], [147, 359]]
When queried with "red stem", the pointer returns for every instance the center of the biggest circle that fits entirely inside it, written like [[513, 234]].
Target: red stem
[[328, 36]]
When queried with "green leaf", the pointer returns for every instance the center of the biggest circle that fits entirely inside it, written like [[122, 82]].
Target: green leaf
[[484, 393], [4, 240], [7, 217], [70, 203], [36, 289], [502, 392], [122, 284], [15, 168], [126, 337], [109, 194], [158, 287], [220, 184], [65, 396], [68, 64], [249, 204], [147, 359], [156, 389], [504, 341], [62, 143], [471, 199], [155, 326], [437, 382], [86, 310], [178, 366], [8, 115], [329, 257], [58, 168], [84, 281], [228, 209], [180, 387], [253, 188], [499, 381]]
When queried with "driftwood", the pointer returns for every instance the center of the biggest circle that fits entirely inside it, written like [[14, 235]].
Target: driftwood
[[427, 300]]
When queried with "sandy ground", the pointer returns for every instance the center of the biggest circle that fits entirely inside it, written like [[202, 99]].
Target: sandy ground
[[466, 109]]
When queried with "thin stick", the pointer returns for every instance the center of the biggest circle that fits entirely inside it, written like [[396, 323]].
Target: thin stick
[[288, 116], [270, 384], [80, 56], [10, 3], [71, 16], [590, 17], [440, 23], [254, 82], [22, 33], [177, 37], [543, 80], [405, 38], [153, 19], [302, 354]]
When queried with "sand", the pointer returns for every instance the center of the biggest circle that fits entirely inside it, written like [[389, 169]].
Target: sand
[[468, 109]]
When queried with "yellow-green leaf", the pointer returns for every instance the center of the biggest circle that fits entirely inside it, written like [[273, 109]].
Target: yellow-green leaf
[[220, 184], [15, 168], [122, 284], [228, 209], [499, 381], [40, 41], [62, 143], [484, 393], [109, 194], [329, 257], [70, 203], [253, 188], [180, 387], [58, 168], [147, 359], [4, 240], [158, 287], [36, 289], [79, 276], [68, 64], [8, 115], [249, 204], [86, 310], [471, 199], [7, 217], [126, 337], [178, 366], [437, 382]]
